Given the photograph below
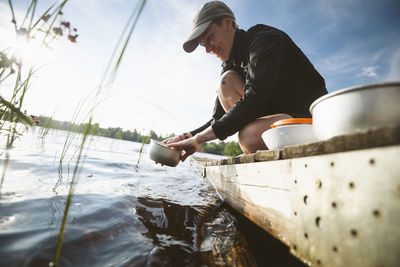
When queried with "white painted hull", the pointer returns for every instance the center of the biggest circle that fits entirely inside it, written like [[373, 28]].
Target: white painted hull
[[338, 209]]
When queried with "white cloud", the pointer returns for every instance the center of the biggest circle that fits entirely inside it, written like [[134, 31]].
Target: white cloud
[[354, 65], [337, 11], [342, 61], [368, 71]]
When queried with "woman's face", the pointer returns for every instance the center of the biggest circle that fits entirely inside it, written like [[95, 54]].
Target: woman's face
[[218, 39]]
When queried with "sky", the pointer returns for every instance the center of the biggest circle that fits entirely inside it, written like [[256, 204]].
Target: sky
[[160, 87]]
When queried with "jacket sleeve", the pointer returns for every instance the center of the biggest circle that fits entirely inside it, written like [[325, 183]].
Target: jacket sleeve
[[266, 55]]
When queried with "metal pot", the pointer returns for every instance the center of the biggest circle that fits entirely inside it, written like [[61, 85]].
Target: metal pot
[[356, 109], [162, 154]]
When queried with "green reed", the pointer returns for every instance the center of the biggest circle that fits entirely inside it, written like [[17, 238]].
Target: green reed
[[107, 79], [13, 110], [10, 109], [72, 185], [44, 129], [145, 139]]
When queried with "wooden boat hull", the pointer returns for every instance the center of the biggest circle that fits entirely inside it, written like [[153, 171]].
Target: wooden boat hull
[[336, 209]]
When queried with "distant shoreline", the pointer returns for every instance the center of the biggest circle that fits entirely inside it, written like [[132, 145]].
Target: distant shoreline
[[221, 148]]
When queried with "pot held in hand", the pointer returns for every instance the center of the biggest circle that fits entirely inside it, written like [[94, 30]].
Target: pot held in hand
[[162, 154]]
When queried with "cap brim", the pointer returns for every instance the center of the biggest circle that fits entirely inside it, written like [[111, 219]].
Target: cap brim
[[191, 43]]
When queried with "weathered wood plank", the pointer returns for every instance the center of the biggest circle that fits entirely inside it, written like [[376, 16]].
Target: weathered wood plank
[[267, 155], [243, 159], [376, 137]]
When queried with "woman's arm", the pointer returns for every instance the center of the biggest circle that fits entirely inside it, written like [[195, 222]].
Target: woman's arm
[[192, 144]]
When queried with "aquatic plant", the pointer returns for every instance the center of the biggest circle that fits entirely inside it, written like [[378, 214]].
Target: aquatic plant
[[72, 185], [44, 129], [46, 24], [145, 140], [107, 79], [13, 122]]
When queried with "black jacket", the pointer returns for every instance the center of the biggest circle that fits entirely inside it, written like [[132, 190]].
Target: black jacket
[[278, 77]]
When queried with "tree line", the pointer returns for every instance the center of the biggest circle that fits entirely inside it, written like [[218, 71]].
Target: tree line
[[230, 149]]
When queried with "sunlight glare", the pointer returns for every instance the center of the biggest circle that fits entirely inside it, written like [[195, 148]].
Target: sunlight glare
[[32, 52]]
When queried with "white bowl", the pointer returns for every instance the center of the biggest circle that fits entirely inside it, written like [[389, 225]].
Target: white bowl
[[288, 135], [160, 153]]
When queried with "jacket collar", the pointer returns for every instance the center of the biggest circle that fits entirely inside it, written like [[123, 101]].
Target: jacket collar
[[239, 48]]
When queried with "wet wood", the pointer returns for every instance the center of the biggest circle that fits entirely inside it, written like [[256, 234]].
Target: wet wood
[[376, 137], [264, 199]]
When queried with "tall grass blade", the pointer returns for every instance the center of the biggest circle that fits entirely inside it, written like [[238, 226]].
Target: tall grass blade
[[44, 14], [25, 119], [108, 76], [13, 14], [27, 12], [73, 183], [144, 141], [55, 15], [7, 157], [130, 33], [33, 13]]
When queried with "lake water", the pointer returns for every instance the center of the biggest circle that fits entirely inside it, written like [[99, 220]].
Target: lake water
[[123, 212]]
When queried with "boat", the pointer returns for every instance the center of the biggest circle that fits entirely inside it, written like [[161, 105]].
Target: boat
[[332, 203]]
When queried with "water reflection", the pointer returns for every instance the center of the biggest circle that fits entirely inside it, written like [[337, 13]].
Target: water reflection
[[192, 236], [118, 217], [129, 231], [172, 230]]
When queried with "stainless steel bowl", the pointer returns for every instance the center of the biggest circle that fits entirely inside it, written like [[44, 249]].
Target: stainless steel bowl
[[356, 109], [162, 154]]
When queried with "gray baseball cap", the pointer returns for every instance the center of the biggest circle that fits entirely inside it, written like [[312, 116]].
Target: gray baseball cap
[[206, 14]]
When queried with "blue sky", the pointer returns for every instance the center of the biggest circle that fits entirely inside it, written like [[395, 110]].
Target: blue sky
[[160, 87]]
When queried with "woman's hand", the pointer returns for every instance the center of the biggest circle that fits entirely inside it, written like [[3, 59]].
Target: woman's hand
[[188, 146], [173, 139]]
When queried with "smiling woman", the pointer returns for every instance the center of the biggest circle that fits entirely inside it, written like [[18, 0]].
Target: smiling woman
[[218, 38]]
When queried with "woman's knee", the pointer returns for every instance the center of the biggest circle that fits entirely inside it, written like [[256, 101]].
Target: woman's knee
[[231, 89], [250, 136], [231, 82], [250, 139], [246, 132]]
